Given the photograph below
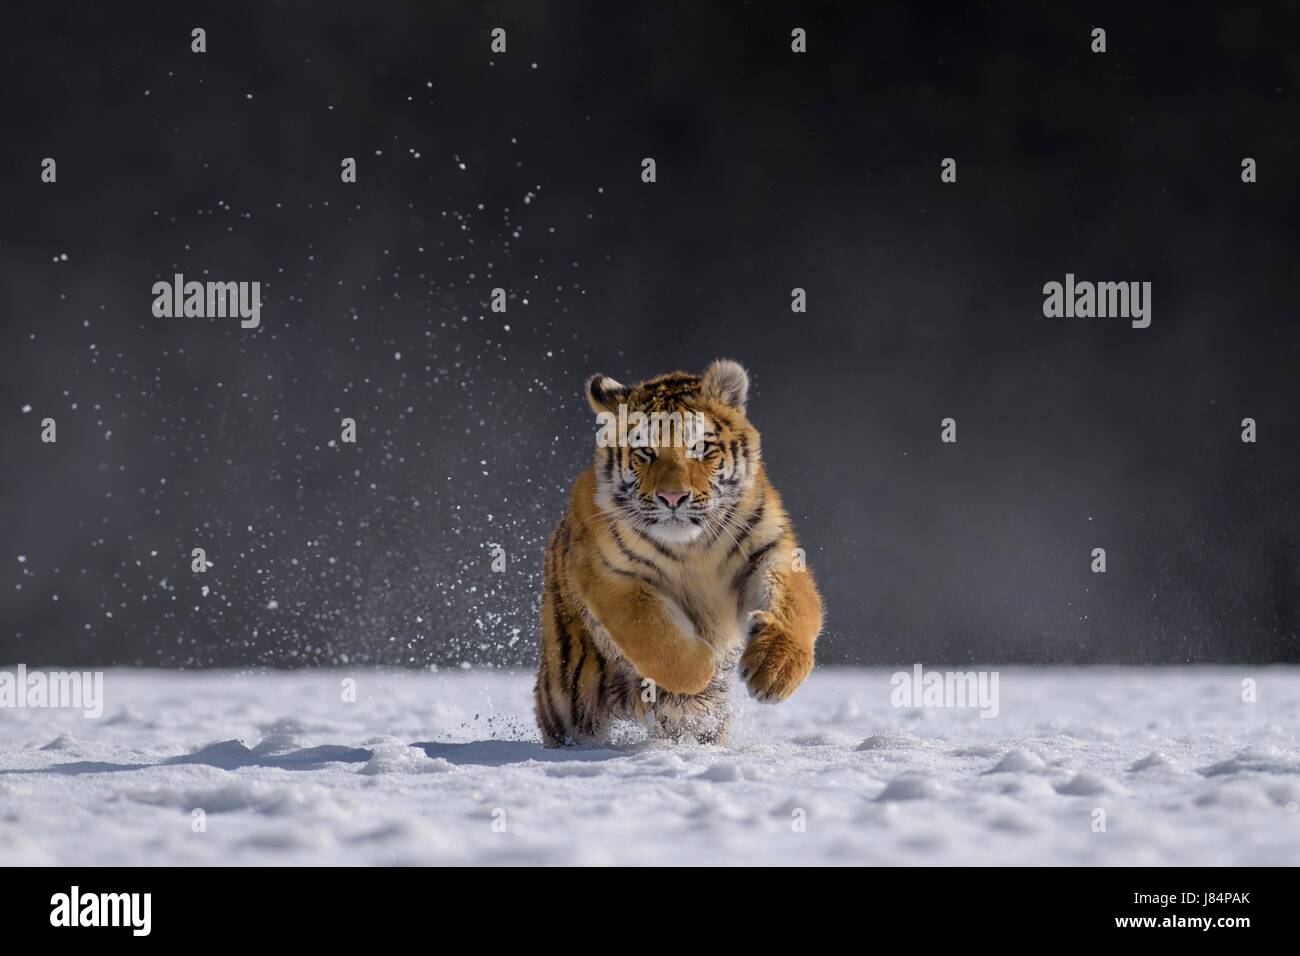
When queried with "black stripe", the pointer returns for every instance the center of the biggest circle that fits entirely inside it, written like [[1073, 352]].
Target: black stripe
[[677, 378], [575, 711], [742, 461], [600, 676], [693, 618], [561, 630], [558, 575], [622, 573], [742, 577], [751, 523], [629, 553], [545, 712]]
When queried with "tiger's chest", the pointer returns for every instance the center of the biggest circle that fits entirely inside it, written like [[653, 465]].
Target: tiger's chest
[[705, 593]]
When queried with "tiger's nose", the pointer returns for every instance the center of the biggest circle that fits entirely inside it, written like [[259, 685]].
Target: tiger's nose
[[672, 498]]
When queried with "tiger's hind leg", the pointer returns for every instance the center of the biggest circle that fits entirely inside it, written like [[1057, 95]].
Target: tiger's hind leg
[[556, 732], [572, 696], [578, 719]]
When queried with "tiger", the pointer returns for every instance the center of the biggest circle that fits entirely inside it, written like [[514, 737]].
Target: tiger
[[674, 567]]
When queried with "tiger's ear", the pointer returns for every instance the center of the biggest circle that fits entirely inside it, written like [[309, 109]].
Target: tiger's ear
[[604, 393], [727, 382]]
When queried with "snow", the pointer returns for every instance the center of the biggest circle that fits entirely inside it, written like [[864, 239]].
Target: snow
[[427, 768]]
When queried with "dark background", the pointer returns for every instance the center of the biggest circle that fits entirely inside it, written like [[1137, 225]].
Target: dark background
[[775, 170]]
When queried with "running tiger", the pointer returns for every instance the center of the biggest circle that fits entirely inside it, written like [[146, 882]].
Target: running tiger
[[674, 562]]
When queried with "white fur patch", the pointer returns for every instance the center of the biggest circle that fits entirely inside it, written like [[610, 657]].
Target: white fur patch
[[678, 532], [679, 618]]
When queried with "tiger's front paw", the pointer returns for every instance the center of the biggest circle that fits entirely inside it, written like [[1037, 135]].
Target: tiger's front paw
[[775, 663], [690, 674]]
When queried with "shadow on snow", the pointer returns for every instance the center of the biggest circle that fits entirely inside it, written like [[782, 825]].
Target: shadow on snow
[[233, 754]]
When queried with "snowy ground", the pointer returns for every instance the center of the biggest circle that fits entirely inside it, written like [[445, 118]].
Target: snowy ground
[[419, 768]]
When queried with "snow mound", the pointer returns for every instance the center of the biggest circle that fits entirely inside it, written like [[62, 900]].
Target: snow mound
[[1019, 761], [390, 755], [1255, 760], [733, 773], [912, 787], [1153, 761], [1088, 784]]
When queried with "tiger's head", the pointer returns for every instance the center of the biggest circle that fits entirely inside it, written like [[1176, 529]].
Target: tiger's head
[[675, 454]]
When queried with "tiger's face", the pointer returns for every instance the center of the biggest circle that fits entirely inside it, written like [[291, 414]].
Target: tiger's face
[[675, 454]]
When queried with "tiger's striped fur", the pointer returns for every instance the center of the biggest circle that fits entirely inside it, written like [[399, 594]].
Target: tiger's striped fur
[[652, 598]]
